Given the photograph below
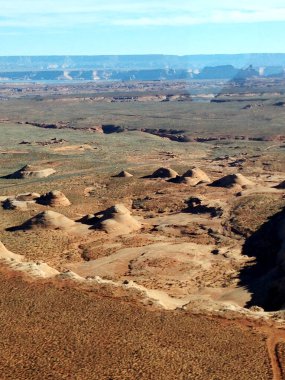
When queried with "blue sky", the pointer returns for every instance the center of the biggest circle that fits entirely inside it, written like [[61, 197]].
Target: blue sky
[[70, 27]]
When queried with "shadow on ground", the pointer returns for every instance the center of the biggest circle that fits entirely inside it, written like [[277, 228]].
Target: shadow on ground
[[265, 277]]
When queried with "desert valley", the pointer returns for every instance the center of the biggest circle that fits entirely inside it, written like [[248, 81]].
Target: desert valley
[[142, 230]]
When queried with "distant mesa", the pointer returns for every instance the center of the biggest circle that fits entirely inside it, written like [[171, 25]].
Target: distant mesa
[[30, 171], [233, 180], [116, 220], [54, 199], [123, 174], [54, 221], [142, 67], [164, 173]]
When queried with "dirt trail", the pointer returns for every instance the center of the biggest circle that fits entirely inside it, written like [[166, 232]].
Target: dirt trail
[[278, 367], [275, 336]]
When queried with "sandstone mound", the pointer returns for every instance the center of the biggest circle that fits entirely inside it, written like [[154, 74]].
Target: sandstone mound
[[54, 199], [232, 180], [50, 219], [164, 173], [194, 176], [19, 202], [116, 220], [13, 204], [54, 220], [35, 269], [5, 254], [281, 186], [124, 174], [69, 275], [27, 197], [30, 171]]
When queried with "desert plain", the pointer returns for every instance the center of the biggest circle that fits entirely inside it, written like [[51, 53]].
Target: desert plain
[[142, 230]]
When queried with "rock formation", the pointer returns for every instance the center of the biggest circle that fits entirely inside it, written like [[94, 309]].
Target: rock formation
[[194, 176], [233, 180], [164, 173], [6, 255], [124, 174], [115, 220], [54, 199], [30, 171], [54, 220], [27, 197], [13, 204]]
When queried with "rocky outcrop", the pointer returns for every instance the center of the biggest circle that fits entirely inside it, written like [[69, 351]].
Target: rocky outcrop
[[30, 171], [123, 174], [27, 197], [13, 204], [54, 221], [164, 173], [233, 180], [195, 176], [116, 220], [54, 199], [198, 205]]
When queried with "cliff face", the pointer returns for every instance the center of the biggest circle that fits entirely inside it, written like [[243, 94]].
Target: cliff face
[[217, 72], [139, 62], [141, 67]]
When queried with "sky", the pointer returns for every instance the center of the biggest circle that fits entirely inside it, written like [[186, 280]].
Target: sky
[[94, 27]]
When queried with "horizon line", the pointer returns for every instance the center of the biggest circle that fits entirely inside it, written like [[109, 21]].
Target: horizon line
[[137, 54]]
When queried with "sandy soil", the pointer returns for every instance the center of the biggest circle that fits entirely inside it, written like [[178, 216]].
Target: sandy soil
[[50, 331], [147, 285]]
